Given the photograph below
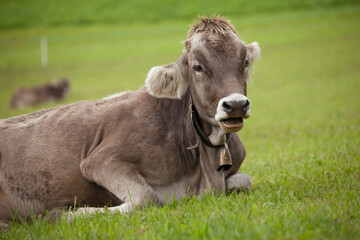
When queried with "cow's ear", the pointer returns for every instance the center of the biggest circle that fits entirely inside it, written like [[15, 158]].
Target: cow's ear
[[253, 54], [166, 81]]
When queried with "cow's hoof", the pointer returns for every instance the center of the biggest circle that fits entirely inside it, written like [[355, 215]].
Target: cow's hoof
[[4, 227], [239, 182], [70, 216], [55, 214]]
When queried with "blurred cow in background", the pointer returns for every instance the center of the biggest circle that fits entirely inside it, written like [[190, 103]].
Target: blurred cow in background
[[50, 92]]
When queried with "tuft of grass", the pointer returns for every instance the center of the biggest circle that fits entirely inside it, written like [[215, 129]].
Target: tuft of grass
[[302, 139]]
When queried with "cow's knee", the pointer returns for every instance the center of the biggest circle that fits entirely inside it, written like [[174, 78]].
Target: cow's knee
[[240, 182]]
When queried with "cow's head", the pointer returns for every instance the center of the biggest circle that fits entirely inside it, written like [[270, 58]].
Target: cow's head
[[214, 68]]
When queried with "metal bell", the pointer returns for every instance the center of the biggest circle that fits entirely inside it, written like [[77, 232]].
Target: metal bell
[[225, 159]]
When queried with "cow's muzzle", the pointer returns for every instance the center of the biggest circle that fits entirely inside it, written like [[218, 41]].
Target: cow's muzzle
[[231, 111]]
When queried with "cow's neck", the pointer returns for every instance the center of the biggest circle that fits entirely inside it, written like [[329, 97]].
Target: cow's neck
[[218, 155], [209, 159], [211, 136]]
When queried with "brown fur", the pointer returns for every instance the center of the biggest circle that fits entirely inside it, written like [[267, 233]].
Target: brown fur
[[214, 25]]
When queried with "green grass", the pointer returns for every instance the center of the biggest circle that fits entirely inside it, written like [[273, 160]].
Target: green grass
[[302, 139], [29, 13]]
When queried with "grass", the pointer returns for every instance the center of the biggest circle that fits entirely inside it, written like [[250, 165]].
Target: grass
[[302, 139], [17, 13]]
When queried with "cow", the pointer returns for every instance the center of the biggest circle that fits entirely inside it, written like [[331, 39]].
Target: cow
[[49, 92], [174, 137]]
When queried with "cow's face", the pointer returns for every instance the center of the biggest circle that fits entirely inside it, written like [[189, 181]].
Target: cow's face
[[214, 67]]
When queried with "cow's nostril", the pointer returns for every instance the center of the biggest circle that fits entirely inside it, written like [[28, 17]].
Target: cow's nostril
[[247, 105], [227, 107]]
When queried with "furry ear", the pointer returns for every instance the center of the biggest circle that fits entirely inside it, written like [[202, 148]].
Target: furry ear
[[253, 51], [166, 81], [253, 54]]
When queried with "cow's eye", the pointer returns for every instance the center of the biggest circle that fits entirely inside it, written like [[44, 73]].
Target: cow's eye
[[198, 68], [246, 63]]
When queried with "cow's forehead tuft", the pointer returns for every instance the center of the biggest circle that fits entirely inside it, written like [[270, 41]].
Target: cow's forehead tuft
[[212, 25]]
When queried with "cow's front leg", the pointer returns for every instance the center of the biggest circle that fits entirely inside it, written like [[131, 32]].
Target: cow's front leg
[[240, 182], [120, 178], [123, 208]]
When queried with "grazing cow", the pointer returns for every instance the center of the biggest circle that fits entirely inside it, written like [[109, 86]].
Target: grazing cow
[[41, 94], [173, 137]]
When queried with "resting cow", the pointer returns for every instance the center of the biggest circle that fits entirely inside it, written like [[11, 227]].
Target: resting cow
[[175, 136], [54, 91]]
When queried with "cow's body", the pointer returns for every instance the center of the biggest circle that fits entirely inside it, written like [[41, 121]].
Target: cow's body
[[46, 149], [122, 151]]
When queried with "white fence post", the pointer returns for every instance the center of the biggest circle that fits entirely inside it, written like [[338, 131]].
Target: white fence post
[[44, 52]]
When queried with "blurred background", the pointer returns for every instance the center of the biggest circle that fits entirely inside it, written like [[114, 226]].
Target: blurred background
[[104, 47]]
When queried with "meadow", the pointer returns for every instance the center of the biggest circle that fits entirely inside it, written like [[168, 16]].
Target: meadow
[[302, 139]]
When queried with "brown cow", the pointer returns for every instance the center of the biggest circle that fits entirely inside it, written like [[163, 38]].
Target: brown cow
[[41, 94], [175, 136]]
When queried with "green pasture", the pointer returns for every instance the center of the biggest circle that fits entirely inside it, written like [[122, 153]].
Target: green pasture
[[302, 139], [30, 13]]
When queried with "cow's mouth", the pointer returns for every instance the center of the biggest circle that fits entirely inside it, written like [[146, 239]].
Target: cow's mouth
[[232, 124]]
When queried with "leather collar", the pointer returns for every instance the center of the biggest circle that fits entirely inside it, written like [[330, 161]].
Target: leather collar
[[195, 118], [225, 162]]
